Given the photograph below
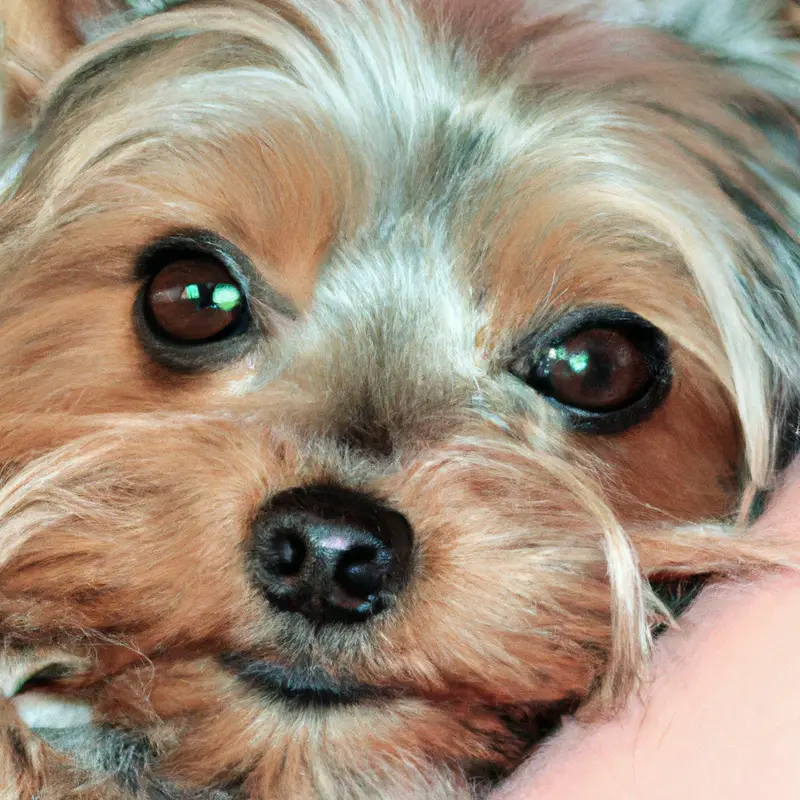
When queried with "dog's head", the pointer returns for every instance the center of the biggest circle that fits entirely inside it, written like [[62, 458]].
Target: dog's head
[[363, 362]]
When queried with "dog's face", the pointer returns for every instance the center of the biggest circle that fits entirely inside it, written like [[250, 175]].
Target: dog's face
[[362, 362]]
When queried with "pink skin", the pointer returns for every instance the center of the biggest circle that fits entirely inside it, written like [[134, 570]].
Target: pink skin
[[721, 716]]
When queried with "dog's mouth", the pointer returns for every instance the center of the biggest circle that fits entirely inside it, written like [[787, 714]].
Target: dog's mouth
[[305, 686]]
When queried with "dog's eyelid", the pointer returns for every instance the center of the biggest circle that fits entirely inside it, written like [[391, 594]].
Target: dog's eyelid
[[265, 299]]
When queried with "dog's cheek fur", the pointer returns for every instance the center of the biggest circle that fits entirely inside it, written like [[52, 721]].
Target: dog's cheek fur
[[20, 755], [31, 768], [696, 428], [118, 533]]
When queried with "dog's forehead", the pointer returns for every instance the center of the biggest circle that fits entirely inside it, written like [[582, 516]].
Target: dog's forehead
[[282, 138], [306, 140]]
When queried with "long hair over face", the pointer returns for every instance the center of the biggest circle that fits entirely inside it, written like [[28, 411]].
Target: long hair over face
[[415, 200]]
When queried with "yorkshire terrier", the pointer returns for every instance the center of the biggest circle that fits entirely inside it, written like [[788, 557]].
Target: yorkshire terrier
[[367, 367]]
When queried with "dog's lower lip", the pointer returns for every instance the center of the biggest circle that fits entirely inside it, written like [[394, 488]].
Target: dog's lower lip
[[305, 686]]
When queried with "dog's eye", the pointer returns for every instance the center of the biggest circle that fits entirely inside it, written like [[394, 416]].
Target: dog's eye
[[594, 370], [195, 301], [193, 311], [607, 368]]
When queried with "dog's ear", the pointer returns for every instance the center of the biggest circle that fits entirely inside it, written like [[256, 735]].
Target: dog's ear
[[36, 38]]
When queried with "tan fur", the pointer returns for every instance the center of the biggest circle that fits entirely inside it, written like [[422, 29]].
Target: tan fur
[[424, 183]]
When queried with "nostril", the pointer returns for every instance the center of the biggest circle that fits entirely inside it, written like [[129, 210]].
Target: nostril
[[362, 571], [289, 552]]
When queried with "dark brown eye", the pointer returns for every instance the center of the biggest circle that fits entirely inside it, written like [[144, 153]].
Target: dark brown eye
[[607, 368], [192, 312], [595, 370], [194, 301]]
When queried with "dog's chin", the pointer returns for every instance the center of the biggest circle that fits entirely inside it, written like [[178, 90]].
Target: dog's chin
[[304, 686], [312, 688]]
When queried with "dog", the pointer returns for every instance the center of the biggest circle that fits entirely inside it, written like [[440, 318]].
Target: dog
[[369, 369]]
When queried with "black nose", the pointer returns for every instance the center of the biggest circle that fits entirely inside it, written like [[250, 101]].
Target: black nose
[[332, 554]]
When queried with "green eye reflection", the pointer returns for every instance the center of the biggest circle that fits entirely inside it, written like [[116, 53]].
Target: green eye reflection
[[226, 296], [579, 362], [192, 292], [223, 296]]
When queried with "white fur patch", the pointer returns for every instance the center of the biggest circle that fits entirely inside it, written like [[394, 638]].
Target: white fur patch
[[39, 708], [9, 177], [44, 710]]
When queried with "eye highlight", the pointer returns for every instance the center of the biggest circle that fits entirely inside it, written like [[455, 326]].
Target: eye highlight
[[607, 368]]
